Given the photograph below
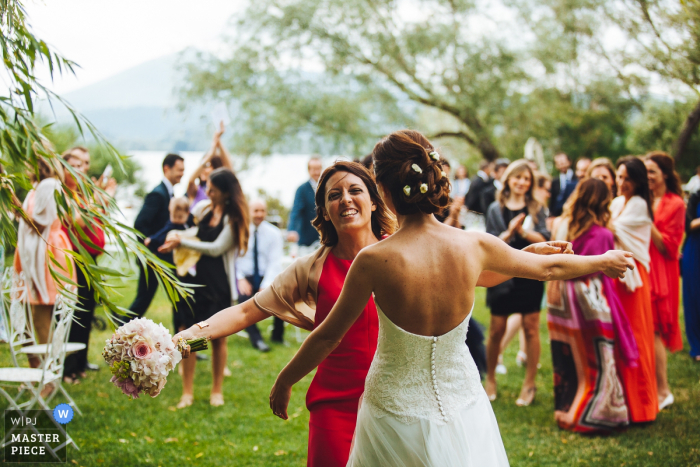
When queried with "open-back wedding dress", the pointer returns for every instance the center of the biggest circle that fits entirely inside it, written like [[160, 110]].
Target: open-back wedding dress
[[424, 405]]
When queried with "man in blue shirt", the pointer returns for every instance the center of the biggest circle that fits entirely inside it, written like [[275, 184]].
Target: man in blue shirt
[[304, 209]]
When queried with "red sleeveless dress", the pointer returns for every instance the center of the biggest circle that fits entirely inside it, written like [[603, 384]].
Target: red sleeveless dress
[[335, 391]]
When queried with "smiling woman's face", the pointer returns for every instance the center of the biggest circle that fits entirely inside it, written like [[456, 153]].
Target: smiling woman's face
[[348, 204], [625, 186]]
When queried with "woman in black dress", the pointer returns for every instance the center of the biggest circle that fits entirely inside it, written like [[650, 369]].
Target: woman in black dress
[[519, 220], [223, 235]]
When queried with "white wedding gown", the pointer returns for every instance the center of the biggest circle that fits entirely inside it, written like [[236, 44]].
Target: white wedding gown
[[424, 405]]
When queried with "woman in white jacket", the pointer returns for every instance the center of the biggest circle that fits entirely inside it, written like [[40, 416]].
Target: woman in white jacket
[[222, 235]]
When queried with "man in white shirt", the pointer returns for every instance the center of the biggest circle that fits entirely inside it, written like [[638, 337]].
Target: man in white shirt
[[259, 267]]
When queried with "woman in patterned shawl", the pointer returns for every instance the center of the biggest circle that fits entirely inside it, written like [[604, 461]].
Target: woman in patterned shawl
[[590, 334]]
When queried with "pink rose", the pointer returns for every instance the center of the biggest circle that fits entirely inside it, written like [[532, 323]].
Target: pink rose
[[142, 350]]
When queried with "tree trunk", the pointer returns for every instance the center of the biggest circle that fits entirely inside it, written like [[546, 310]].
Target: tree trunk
[[689, 127], [488, 150]]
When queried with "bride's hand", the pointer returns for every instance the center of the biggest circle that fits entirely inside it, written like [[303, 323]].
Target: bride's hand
[[279, 399], [617, 264], [550, 248], [186, 335]]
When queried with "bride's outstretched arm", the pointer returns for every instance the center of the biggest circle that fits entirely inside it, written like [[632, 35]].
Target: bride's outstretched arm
[[492, 279], [226, 322], [500, 258], [356, 292]]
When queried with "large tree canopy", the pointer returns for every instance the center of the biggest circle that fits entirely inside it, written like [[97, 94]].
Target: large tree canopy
[[338, 75], [647, 46], [376, 64]]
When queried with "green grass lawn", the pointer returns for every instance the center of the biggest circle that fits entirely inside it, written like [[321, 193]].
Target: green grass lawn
[[116, 431]]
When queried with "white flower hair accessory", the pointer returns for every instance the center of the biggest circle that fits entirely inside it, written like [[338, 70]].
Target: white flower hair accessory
[[435, 156], [417, 168], [423, 188], [443, 174], [407, 190]]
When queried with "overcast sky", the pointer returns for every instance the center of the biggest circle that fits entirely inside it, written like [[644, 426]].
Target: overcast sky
[[108, 36]]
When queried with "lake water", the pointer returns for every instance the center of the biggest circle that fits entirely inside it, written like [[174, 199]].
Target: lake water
[[278, 175]]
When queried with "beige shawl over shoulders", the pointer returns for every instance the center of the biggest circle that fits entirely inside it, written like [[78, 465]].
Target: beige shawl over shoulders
[[293, 294]]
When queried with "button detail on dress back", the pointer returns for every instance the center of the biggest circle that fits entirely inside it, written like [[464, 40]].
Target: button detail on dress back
[[434, 378]]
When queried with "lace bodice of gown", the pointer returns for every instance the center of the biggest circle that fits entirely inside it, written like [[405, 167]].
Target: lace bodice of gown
[[416, 377]]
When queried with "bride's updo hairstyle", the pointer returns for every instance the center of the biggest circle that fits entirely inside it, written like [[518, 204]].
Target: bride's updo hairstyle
[[407, 165]]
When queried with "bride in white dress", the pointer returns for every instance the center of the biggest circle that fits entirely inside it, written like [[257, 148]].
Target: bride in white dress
[[423, 403]]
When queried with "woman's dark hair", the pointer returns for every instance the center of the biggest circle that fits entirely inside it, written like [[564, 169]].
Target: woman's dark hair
[[589, 204], [637, 174], [383, 222], [235, 205], [404, 165], [367, 161], [668, 168]]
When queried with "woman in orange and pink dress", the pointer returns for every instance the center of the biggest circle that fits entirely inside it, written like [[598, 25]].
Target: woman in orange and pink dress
[[41, 248], [666, 238]]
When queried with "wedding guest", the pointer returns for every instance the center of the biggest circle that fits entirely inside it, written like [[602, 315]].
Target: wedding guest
[[604, 170], [506, 219], [81, 153], [582, 165], [693, 184], [590, 334], [543, 189], [481, 180], [304, 208], [690, 266], [631, 221], [41, 248], [76, 363], [368, 162], [215, 158], [179, 209], [260, 265], [666, 237], [489, 193], [461, 182], [151, 219], [563, 185], [223, 235]]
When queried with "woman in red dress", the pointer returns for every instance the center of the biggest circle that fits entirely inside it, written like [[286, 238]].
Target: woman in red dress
[[666, 238], [351, 216]]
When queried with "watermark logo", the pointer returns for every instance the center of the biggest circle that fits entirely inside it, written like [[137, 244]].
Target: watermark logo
[[63, 413], [36, 435]]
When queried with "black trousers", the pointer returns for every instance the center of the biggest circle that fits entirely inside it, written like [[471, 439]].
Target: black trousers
[[253, 331], [475, 343], [80, 329], [145, 292]]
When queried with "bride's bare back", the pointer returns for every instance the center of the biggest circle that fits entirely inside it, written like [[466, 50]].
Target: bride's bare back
[[424, 276]]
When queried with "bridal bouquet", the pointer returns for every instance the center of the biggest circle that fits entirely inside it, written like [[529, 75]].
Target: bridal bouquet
[[140, 354]]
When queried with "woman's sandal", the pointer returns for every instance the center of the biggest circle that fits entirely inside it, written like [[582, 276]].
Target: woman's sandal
[[523, 402], [216, 399], [185, 401]]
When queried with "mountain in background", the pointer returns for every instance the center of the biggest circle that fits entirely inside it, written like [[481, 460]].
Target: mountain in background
[[137, 109]]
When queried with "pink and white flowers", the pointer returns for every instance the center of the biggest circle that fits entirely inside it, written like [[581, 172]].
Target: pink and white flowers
[[140, 355]]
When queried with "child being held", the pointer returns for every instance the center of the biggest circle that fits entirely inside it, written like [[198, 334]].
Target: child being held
[[179, 214]]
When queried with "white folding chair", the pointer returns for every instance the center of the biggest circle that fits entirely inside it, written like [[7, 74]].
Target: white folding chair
[[18, 317], [20, 324], [35, 379]]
